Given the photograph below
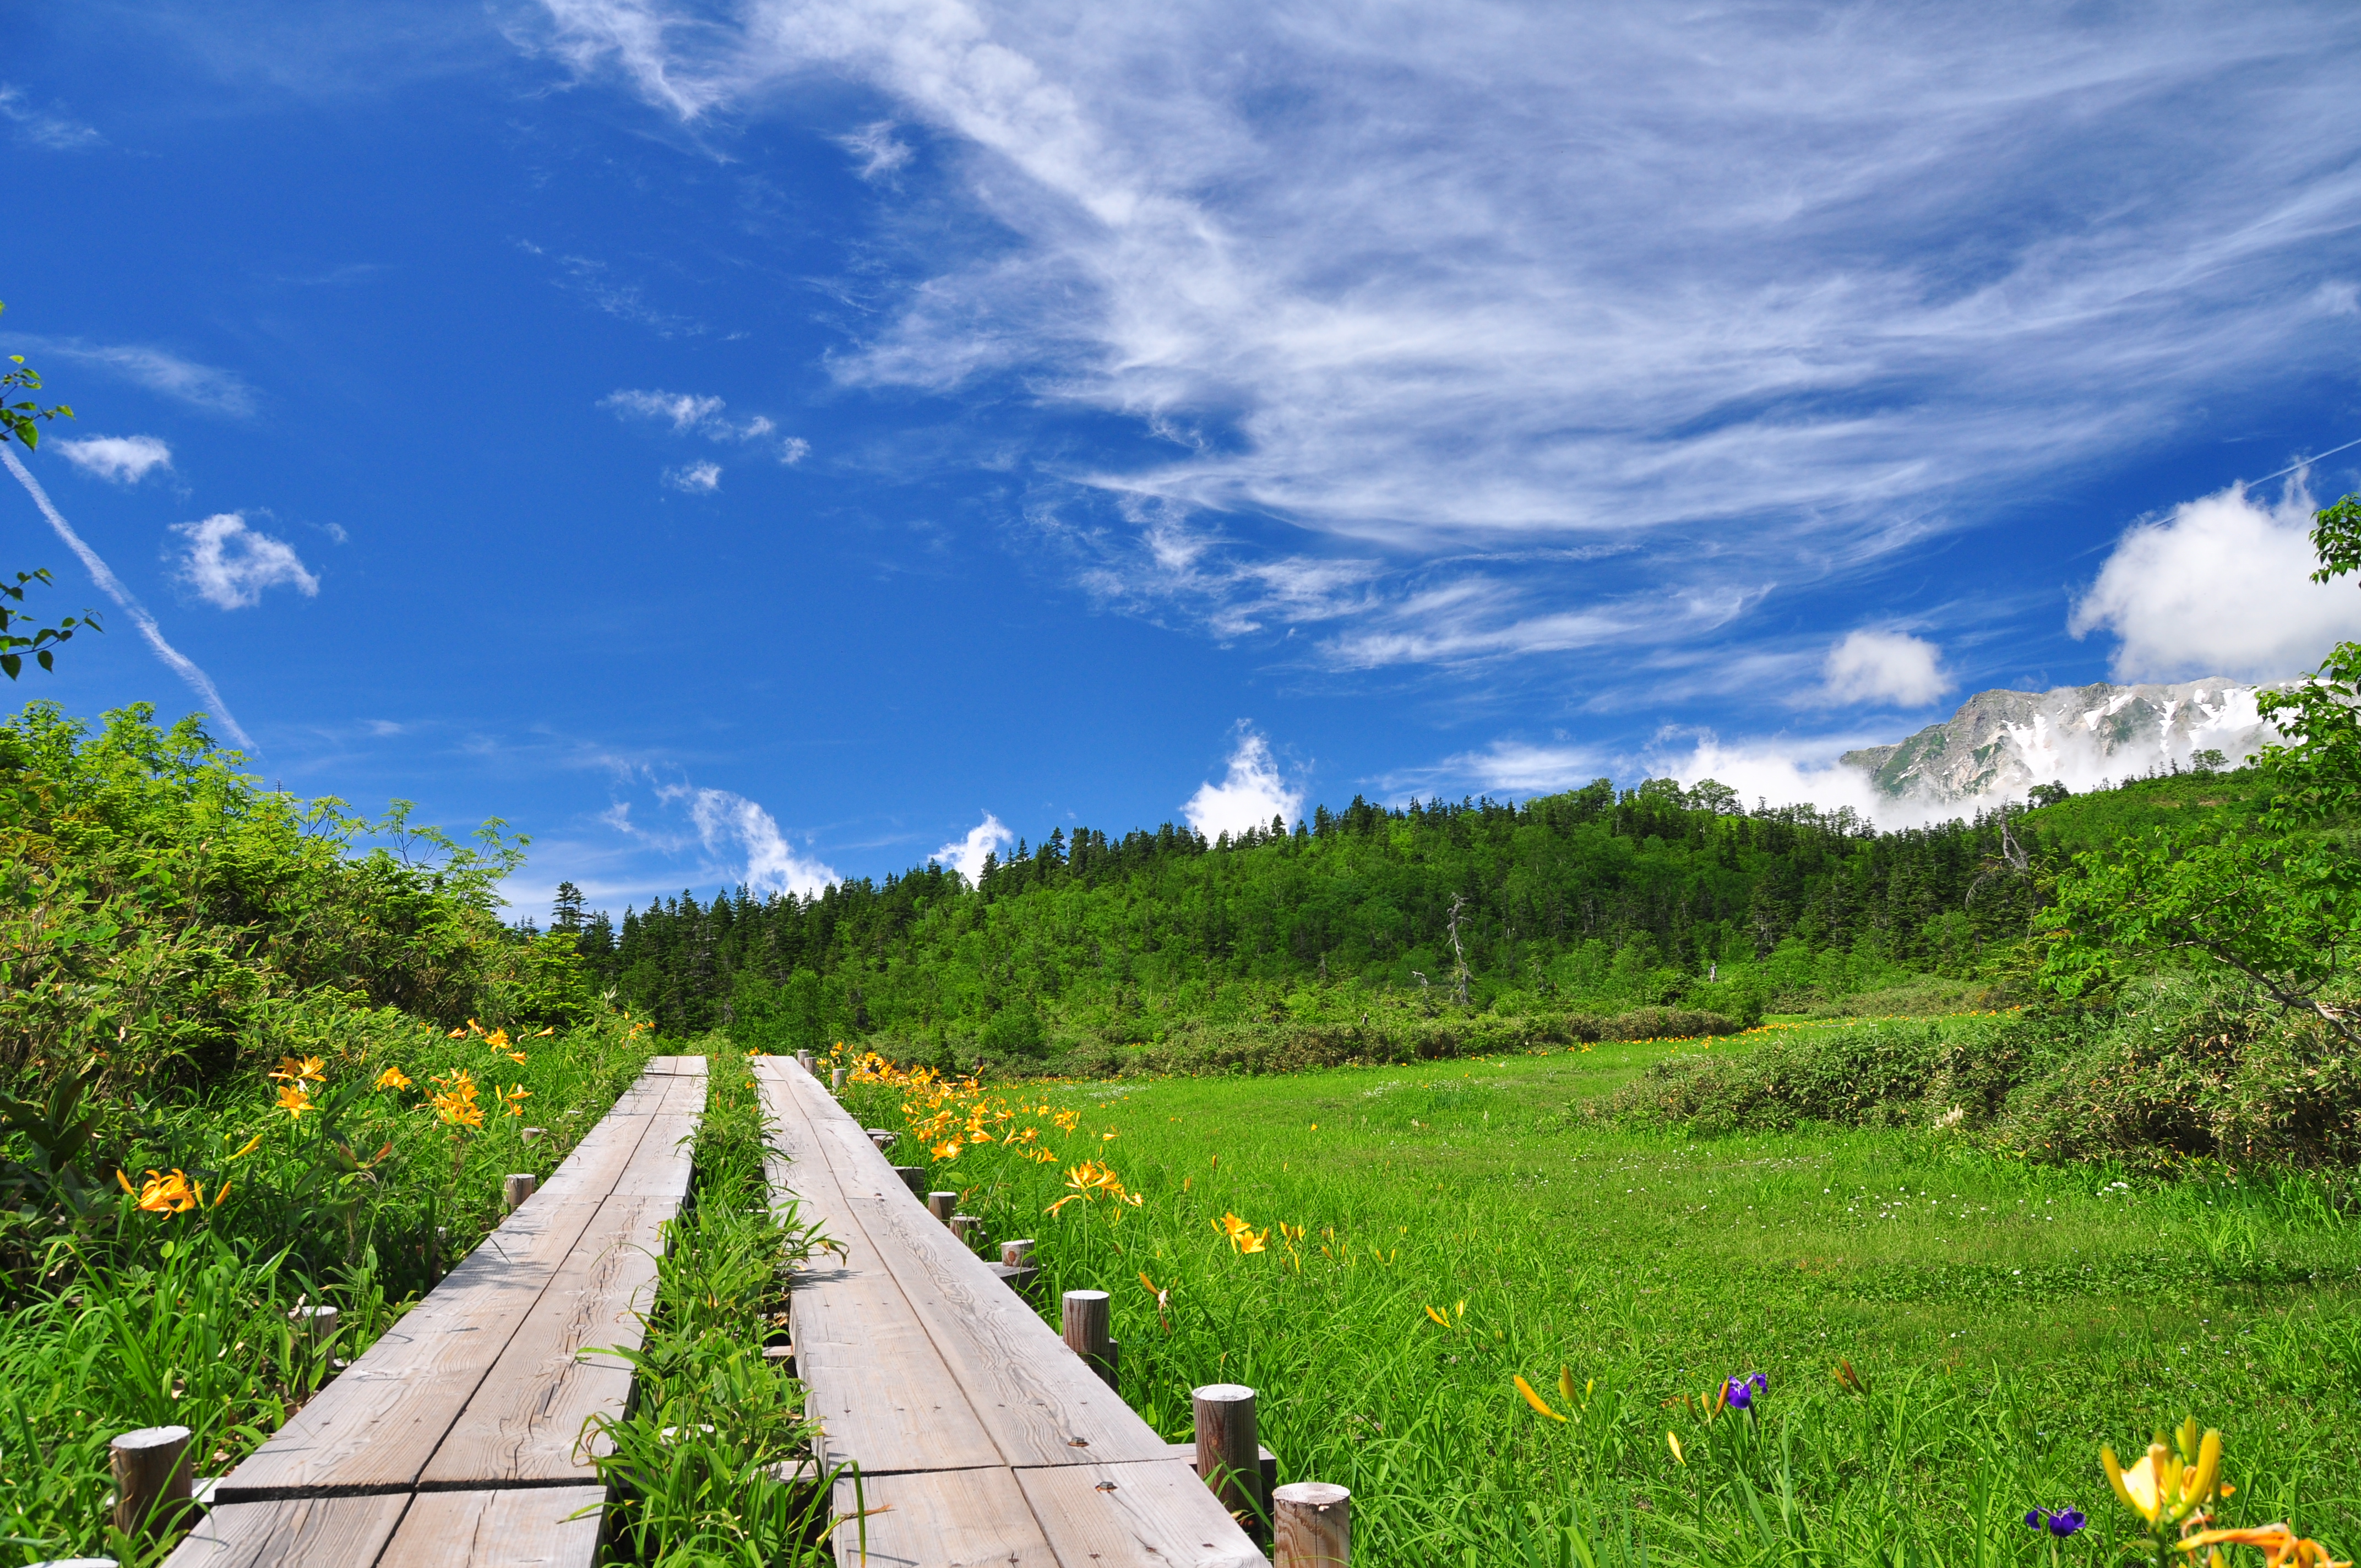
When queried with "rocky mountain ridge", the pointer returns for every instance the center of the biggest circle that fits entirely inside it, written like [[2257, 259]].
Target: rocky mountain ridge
[[2001, 743]]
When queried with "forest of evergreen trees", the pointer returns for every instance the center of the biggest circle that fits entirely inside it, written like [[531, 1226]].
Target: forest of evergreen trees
[[1594, 900]]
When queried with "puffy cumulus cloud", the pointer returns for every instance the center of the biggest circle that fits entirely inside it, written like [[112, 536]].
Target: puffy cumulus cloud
[[2218, 585], [124, 459], [699, 478], [1249, 796], [1885, 666], [724, 819], [965, 856], [230, 564]]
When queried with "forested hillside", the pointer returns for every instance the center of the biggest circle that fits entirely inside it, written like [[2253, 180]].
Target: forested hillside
[[1594, 900]]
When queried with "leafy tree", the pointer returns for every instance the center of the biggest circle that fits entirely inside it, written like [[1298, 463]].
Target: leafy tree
[[21, 421], [2273, 894]]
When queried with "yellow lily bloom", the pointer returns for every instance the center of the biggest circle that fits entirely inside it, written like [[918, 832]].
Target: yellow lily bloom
[[2165, 1487], [245, 1150], [1536, 1401], [391, 1077], [293, 1100], [1673, 1441], [2279, 1544], [1438, 1317]]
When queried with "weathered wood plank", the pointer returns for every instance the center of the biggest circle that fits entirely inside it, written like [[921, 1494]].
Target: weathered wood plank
[[1038, 1401], [299, 1532], [375, 1427], [1135, 1516], [526, 1422], [875, 1383], [942, 1519], [531, 1527]]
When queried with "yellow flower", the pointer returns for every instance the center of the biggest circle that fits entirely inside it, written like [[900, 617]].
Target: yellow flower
[[391, 1077], [1250, 1241], [1566, 1387], [166, 1192], [293, 1071], [455, 1100], [245, 1150], [1438, 1317], [293, 1100], [1671, 1441], [497, 1039], [1536, 1401], [946, 1151], [513, 1099], [2165, 1487]]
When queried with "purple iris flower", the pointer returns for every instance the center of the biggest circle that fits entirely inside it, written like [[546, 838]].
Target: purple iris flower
[[1739, 1392], [2059, 1522]]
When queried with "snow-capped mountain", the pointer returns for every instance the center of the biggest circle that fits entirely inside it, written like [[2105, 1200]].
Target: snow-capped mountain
[[2001, 743]]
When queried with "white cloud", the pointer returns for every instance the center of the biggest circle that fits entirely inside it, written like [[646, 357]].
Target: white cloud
[[686, 411], [44, 127], [965, 856], [772, 864], [882, 154], [124, 459], [1788, 295], [2218, 586], [1885, 666], [794, 450], [1249, 796], [185, 381], [695, 479], [230, 564]]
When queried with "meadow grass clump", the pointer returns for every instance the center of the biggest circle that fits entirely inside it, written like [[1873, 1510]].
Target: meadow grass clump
[[710, 1464], [1946, 1336]]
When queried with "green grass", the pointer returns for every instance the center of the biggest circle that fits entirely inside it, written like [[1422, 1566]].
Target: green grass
[[2008, 1319]]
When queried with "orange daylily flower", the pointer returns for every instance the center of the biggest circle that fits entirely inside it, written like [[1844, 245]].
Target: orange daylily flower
[[293, 1100], [1537, 1402], [293, 1071], [391, 1077]]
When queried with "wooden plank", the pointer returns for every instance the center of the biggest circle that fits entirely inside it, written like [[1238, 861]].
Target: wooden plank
[[944, 1519], [526, 1422], [1155, 1515], [1038, 1401], [298, 1532], [531, 1527], [376, 1426], [874, 1379]]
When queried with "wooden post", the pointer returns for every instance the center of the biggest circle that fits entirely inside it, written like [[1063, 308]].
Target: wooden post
[[516, 1187], [1229, 1458], [1018, 1255], [1312, 1525], [941, 1205], [804, 1059], [530, 1134], [881, 1136], [313, 1325], [836, 1079], [1086, 1324], [967, 1228], [152, 1480], [913, 1176]]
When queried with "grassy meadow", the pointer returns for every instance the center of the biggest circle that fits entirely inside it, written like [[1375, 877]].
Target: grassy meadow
[[1382, 1250]]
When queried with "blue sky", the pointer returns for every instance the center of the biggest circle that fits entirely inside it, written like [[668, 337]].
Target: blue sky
[[780, 440]]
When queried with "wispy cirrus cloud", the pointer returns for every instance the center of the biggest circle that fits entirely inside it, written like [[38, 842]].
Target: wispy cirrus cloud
[[1757, 299], [200, 385], [693, 413], [52, 128]]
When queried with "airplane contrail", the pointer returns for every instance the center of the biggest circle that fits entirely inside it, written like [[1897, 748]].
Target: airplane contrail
[[182, 666]]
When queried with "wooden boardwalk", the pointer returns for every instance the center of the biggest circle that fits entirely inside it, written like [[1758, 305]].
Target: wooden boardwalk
[[983, 1439], [455, 1440]]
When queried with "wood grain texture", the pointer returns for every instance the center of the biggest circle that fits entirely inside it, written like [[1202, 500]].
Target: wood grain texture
[[1040, 1403], [531, 1527], [1135, 1516], [299, 1532], [527, 1420], [874, 1381], [375, 1428], [944, 1519]]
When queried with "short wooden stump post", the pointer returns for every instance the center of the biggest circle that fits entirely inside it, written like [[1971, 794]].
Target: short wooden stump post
[[516, 1187], [153, 1480], [942, 1205], [1017, 1254], [968, 1228], [836, 1079], [913, 1176], [1229, 1455], [881, 1136], [1088, 1322], [1312, 1525], [313, 1325], [804, 1060], [530, 1134]]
